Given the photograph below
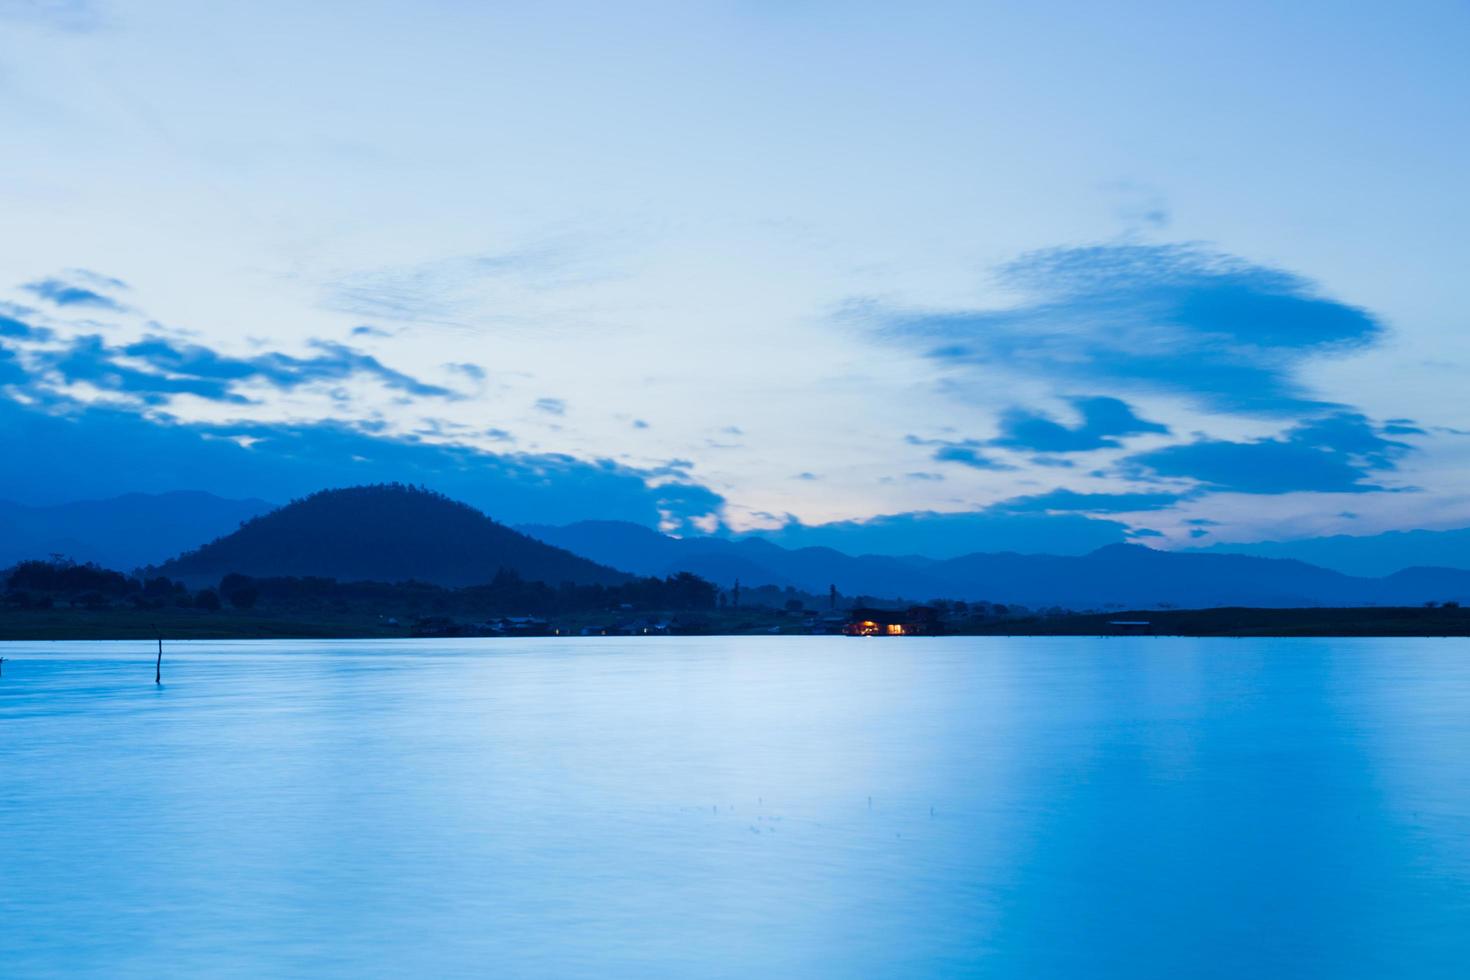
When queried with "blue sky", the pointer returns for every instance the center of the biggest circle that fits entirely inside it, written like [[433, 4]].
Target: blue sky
[[991, 273]]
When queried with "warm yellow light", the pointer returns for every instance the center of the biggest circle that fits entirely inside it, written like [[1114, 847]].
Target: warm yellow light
[[895, 629]]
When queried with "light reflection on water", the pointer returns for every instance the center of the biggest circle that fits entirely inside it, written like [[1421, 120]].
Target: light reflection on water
[[737, 806]]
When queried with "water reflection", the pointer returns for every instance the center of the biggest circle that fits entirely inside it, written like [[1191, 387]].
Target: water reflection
[[734, 806]]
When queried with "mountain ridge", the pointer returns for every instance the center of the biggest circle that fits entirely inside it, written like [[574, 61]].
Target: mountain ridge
[[1113, 576]]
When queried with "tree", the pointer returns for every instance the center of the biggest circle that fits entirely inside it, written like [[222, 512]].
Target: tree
[[207, 599]]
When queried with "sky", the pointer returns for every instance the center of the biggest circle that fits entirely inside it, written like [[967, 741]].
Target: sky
[[929, 276]]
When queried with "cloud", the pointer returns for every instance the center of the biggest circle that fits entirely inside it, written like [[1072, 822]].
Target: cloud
[[1103, 421], [1338, 453], [13, 326], [472, 371], [98, 451], [965, 452], [551, 406], [1089, 503], [1179, 319], [156, 368], [445, 290], [69, 294], [11, 371]]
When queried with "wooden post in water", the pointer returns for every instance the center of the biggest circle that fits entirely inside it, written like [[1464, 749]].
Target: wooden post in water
[[2, 666], [158, 664]]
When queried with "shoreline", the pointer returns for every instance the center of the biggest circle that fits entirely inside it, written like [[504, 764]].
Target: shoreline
[[118, 624]]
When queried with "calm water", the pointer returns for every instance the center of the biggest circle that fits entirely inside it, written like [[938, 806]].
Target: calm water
[[737, 807]]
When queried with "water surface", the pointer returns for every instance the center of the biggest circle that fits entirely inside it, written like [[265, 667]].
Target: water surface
[[723, 807]]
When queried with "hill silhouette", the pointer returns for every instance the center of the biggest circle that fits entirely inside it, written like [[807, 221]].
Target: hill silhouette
[[384, 533]]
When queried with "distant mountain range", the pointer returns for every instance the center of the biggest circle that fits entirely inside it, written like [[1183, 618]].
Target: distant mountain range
[[386, 533], [121, 532], [1116, 575], [1369, 554], [397, 533]]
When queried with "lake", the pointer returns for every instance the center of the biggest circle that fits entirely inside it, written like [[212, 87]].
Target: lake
[[736, 807]]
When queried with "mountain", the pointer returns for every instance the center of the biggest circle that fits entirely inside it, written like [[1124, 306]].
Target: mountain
[[124, 532], [1369, 554], [388, 533], [753, 561], [1115, 575]]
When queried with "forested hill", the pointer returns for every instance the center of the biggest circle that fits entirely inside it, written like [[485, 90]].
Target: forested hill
[[385, 533]]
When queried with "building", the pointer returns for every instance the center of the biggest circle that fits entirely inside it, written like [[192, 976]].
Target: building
[[914, 621]]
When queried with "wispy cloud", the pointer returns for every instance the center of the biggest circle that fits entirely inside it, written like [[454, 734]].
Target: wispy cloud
[[444, 290], [64, 293], [1229, 334], [155, 368]]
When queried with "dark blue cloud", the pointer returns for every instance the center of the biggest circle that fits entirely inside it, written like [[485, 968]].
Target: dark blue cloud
[[967, 456], [72, 452], [89, 359], [12, 326], [1177, 319], [1087, 503], [965, 452], [11, 371], [1338, 453], [1104, 420], [155, 369], [64, 293]]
